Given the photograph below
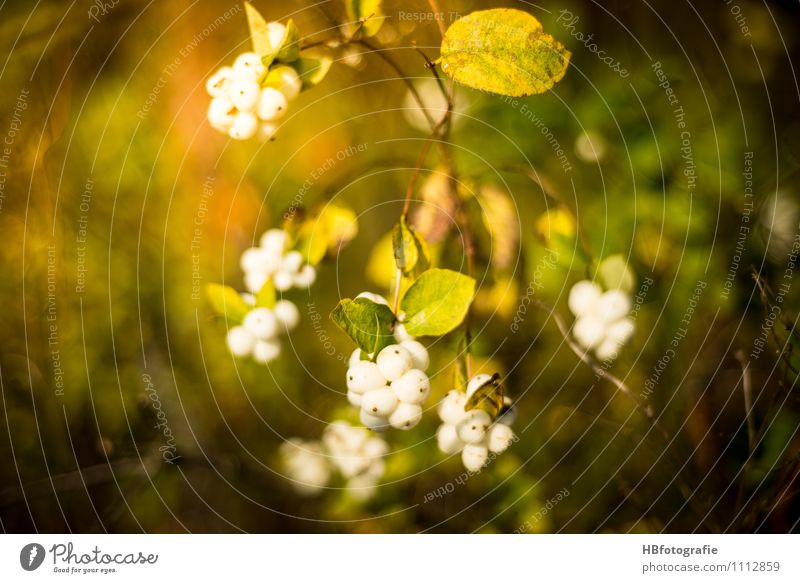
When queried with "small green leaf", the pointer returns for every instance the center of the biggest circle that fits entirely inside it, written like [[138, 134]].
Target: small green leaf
[[259, 33], [266, 296], [369, 13], [503, 51], [404, 247], [289, 49], [312, 70], [614, 273], [489, 397], [227, 302], [367, 323], [437, 302]]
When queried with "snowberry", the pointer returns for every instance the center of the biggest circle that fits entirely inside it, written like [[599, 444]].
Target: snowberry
[[374, 447], [240, 341], [305, 465], [583, 296], [244, 94], [413, 387], [474, 456], [255, 259], [266, 350], [473, 425], [500, 437], [282, 280], [261, 323], [249, 66], [277, 34], [405, 416], [221, 113], [255, 280], [477, 382], [340, 435], [447, 439], [621, 331], [379, 402], [607, 350], [266, 131], [374, 422], [364, 376], [292, 261], [286, 313], [218, 84], [244, 126], [378, 299], [589, 331], [613, 305], [419, 354], [400, 334], [286, 80], [354, 398], [248, 299], [451, 408], [274, 241], [305, 277], [271, 104], [509, 414], [394, 361]]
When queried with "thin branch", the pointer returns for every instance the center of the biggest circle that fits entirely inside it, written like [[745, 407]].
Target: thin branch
[[437, 14], [747, 389]]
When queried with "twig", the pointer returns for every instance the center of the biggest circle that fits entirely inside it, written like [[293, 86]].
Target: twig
[[747, 389]]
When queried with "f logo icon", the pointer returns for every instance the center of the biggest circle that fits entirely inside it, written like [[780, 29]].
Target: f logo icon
[[31, 556]]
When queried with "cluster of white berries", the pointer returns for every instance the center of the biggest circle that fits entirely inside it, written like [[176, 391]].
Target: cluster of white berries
[[351, 451], [392, 390], [474, 433], [271, 260], [602, 324], [258, 335], [248, 98]]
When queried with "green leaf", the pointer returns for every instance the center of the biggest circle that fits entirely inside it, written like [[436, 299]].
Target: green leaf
[[437, 302], [503, 51], [227, 302], [289, 49], [312, 70], [259, 33], [367, 323], [266, 296], [369, 13], [404, 246], [614, 273], [489, 397]]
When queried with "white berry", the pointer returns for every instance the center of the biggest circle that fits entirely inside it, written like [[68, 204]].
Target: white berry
[[286, 80], [282, 280], [473, 425], [607, 350], [474, 456], [477, 382], [221, 113], [218, 84], [400, 333], [589, 331], [240, 341], [249, 66], [266, 350], [266, 131], [292, 261], [583, 297], [261, 323], [305, 277], [364, 376], [287, 314], [447, 439], [244, 126], [613, 305], [274, 241], [354, 398], [620, 332], [451, 408], [413, 387], [394, 361], [373, 422], [405, 416], [379, 402], [255, 280], [419, 354], [271, 104], [500, 437], [244, 93]]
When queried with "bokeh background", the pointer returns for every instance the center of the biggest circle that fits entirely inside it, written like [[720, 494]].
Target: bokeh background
[[110, 167]]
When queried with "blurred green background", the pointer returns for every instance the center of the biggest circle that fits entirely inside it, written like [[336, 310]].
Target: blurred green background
[[112, 168]]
